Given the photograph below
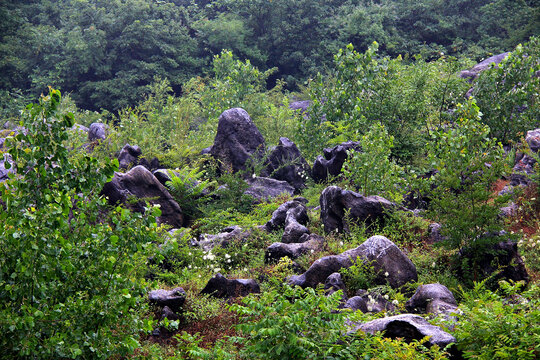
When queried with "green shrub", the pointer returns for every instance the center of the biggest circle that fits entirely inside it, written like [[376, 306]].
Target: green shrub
[[493, 326], [187, 189], [70, 271], [508, 94]]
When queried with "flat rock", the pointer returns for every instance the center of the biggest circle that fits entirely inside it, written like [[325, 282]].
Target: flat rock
[[264, 189], [431, 297], [174, 298], [293, 251], [221, 287]]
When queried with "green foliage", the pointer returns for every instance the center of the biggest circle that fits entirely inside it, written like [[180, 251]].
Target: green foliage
[[360, 275], [468, 163], [371, 171], [70, 275], [497, 326], [187, 188], [508, 94]]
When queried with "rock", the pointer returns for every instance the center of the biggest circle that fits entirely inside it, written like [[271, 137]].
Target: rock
[[524, 166], [434, 233], [335, 203], [97, 132], [499, 262], [264, 189], [139, 183], [295, 207], [533, 139], [163, 175], [221, 287], [4, 171], [174, 298], [279, 250], [237, 139], [334, 283], [301, 106], [208, 242], [433, 298], [293, 232], [389, 264], [129, 156], [169, 314], [473, 72], [369, 302], [333, 160], [286, 163], [409, 327], [80, 128], [508, 211], [151, 165]]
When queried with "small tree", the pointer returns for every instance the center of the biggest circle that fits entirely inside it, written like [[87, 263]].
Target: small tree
[[69, 271]]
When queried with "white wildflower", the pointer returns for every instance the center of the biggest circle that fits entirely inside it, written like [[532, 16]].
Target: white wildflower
[[386, 274], [395, 302], [217, 270]]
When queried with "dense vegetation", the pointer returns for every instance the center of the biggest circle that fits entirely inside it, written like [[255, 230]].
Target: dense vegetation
[[105, 53], [75, 271]]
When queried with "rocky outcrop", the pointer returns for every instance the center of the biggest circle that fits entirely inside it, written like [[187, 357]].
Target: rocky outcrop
[[237, 139], [301, 106], [129, 156], [292, 216], [293, 251], [221, 287], [264, 189], [208, 241], [432, 298], [141, 184], [336, 202], [333, 160], [390, 265], [408, 327], [286, 163], [473, 72]]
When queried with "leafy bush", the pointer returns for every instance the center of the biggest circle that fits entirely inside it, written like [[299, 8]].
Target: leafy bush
[[70, 271], [494, 326], [508, 94]]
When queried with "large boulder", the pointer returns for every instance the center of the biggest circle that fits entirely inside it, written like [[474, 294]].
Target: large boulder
[[301, 106], [237, 139], [208, 241], [174, 299], [293, 251], [139, 183], [336, 203], [473, 72], [221, 287], [408, 327], [264, 189], [286, 163], [295, 207], [97, 132], [390, 265], [333, 160], [431, 298]]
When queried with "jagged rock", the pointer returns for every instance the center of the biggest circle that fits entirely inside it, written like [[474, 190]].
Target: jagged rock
[[286, 163], [264, 189], [237, 139], [336, 202], [4, 172], [369, 302], [502, 258], [221, 287], [389, 264], [434, 233], [169, 314], [473, 72], [293, 232], [334, 283], [524, 166], [174, 298], [208, 241], [409, 327], [151, 165], [129, 156], [139, 183], [301, 106], [431, 298], [333, 160], [97, 132], [293, 251], [295, 207]]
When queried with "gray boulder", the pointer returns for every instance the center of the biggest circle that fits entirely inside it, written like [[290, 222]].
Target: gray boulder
[[5, 163], [473, 72], [286, 163], [295, 207], [264, 189], [174, 298], [336, 202], [221, 287], [97, 132], [431, 298], [390, 264], [369, 302], [237, 139], [129, 156], [334, 283], [331, 163], [139, 183], [409, 327], [301, 106], [208, 241], [293, 251]]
